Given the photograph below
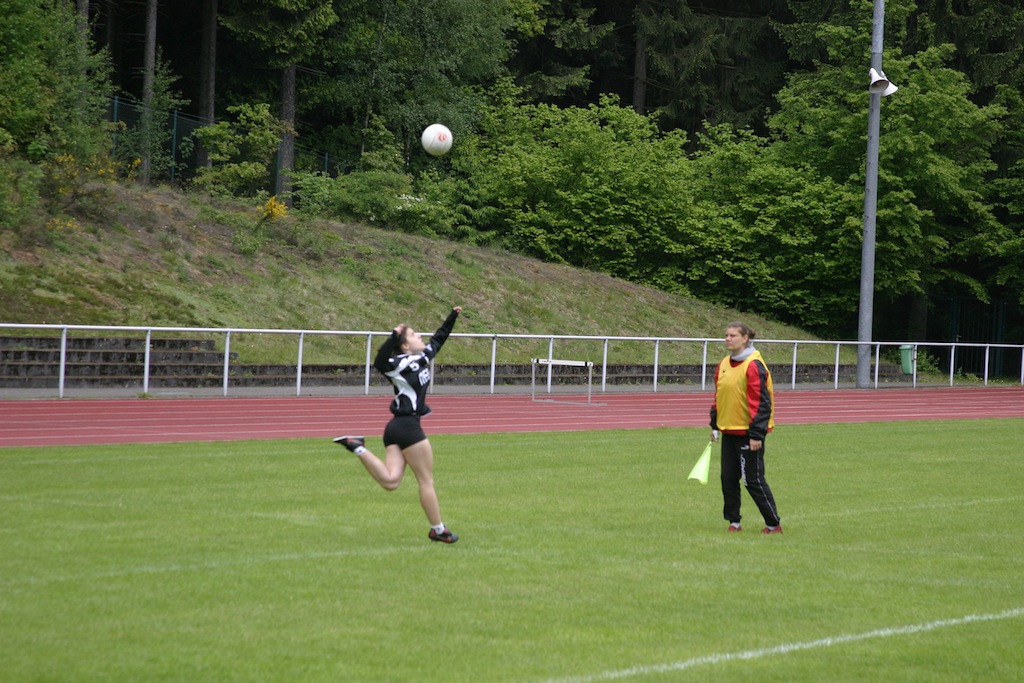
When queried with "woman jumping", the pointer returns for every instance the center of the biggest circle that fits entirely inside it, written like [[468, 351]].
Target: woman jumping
[[405, 360]]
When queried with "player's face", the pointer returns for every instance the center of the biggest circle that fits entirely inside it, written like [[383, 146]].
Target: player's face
[[414, 341], [734, 341]]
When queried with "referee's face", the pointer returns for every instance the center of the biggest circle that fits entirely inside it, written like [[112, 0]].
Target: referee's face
[[734, 341]]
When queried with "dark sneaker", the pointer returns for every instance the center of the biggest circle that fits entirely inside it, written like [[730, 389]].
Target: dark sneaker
[[445, 536], [351, 442], [772, 529]]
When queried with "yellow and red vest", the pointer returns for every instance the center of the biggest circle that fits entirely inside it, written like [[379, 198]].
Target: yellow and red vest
[[738, 401]]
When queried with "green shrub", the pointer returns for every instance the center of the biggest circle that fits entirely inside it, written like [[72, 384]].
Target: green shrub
[[241, 151], [386, 199], [19, 190]]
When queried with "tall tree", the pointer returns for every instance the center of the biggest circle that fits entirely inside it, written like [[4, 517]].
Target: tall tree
[[719, 62], [935, 219], [207, 71], [407, 64], [289, 31], [557, 53], [989, 51], [148, 80], [53, 94], [53, 82]]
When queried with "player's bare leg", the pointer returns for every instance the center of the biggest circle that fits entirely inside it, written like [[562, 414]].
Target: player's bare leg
[[388, 473], [420, 458]]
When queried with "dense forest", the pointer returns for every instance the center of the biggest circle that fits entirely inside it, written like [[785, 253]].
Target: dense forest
[[713, 149]]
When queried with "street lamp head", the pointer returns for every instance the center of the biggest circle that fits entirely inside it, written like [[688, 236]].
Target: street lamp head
[[878, 84]]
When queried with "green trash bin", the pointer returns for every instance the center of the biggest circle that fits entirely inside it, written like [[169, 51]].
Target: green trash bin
[[908, 357]]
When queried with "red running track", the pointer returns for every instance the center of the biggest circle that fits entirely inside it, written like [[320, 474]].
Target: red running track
[[133, 420]]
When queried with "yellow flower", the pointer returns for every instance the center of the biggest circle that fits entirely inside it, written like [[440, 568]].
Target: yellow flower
[[274, 209], [61, 224]]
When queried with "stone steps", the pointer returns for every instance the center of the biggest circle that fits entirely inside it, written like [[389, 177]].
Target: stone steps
[[107, 343], [34, 362]]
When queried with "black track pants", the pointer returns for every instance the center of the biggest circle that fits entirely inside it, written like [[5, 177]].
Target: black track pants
[[739, 463]]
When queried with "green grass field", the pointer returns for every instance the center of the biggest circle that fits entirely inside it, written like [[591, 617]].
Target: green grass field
[[584, 557]]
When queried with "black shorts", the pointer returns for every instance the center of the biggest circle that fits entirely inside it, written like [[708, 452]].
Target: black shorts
[[404, 431]]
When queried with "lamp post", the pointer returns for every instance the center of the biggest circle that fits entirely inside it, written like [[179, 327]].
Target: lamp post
[[878, 87]]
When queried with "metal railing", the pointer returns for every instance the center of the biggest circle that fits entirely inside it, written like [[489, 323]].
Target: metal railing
[[954, 349]]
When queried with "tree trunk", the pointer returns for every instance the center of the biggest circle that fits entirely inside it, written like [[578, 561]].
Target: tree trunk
[[83, 9], [110, 21], [917, 323], [286, 159], [640, 76], [207, 73], [148, 79]]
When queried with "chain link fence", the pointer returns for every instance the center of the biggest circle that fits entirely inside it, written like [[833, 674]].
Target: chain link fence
[[182, 149]]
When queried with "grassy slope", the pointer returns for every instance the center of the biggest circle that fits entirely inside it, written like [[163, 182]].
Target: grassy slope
[[158, 257]]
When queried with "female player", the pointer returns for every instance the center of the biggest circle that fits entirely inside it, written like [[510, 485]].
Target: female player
[[405, 360], [743, 412]]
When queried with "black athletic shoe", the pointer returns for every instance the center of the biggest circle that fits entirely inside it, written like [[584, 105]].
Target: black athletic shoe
[[351, 442], [445, 536]]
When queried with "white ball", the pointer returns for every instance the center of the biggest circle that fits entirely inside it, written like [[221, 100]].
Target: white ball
[[436, 139]]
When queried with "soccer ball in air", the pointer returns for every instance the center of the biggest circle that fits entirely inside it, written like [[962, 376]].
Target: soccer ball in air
[[436, 139]]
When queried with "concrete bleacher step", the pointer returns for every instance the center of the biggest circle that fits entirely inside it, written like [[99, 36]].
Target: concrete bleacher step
[[34, 362], [107, 343], [87, 356]]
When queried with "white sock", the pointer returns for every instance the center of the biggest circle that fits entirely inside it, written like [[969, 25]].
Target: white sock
[[359, 450], [439, 529]]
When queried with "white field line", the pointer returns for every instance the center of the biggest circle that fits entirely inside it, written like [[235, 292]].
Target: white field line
[[787, 648]]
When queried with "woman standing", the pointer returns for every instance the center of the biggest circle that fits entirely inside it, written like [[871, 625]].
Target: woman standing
[[405, 360], [743, 412]]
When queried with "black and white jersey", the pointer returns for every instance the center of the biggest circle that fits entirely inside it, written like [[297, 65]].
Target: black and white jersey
[[410, 372]]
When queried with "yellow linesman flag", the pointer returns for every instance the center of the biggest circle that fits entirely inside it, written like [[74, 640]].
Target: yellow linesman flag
[[703, 466]]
